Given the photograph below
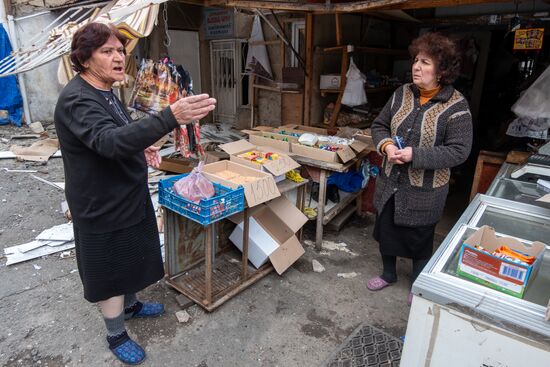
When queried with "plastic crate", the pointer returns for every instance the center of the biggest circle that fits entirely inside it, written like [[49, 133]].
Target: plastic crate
[[224, 203]]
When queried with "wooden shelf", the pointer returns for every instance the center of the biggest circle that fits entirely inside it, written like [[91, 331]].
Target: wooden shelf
[[363, 49], [326, 91]]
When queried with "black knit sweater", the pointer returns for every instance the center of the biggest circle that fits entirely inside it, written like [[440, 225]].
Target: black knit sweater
[[440, 134], [105, 168]]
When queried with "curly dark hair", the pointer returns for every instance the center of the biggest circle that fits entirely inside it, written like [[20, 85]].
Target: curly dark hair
[[88, 39], [444, 52]]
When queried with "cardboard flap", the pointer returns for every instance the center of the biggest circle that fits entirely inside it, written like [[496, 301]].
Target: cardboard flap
[[358, 146], [263, 128], [544, 199], [279, 144], [486, 237], [239, 217], [273, 224], [286, 254], [346, 154], [281, 166], [251, 132], [237, 147], [261, 191], [255, 192], [292, 216]]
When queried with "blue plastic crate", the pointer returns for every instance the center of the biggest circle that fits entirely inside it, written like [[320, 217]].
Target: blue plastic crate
[[224, 203]]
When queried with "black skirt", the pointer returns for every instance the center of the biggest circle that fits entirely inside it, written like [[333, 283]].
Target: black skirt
[[396, 240], [120, 262]]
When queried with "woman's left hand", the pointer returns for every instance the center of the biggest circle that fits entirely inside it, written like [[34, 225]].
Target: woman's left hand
[[404, 155], [152, 156]]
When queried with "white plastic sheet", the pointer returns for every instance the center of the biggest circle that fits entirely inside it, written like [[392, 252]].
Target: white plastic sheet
[[534, 102]]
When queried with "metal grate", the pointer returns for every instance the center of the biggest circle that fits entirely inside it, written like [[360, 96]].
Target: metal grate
[[367, 346]]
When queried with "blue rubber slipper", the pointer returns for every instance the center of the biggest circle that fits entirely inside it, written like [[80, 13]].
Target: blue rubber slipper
[[145, 309], [128, 351]]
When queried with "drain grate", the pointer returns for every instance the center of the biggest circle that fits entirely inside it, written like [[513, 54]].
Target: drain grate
[[367, 346]]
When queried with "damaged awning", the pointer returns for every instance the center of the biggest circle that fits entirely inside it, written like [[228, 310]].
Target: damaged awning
[[134, 18]]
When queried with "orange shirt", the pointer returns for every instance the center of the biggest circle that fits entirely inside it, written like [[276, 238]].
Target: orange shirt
[[427, 94]]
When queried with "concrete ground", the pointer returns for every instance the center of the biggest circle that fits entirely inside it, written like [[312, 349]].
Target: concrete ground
[[297, 319]]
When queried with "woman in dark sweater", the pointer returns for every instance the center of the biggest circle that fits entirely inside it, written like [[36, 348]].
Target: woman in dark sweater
[[423, 131], [104, 157]]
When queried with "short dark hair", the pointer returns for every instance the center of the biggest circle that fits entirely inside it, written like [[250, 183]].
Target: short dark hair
[[444, 52], [88, 39]]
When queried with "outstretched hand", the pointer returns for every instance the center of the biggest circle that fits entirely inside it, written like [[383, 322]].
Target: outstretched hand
[[191, 108]]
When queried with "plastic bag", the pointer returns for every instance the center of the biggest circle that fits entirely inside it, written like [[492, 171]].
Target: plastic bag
[[194, 186], [354, 94], [154, 88], [534, 102]]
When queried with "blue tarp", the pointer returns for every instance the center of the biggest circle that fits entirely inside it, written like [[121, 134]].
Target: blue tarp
[[10, 97]]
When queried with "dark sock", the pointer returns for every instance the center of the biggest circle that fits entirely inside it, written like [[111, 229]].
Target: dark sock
[[418, 265], [132, 310], [129, 300], [116, 332], [389, 274]]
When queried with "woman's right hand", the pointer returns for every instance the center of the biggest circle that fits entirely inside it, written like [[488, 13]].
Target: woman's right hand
[[192, 108], [390, 153]]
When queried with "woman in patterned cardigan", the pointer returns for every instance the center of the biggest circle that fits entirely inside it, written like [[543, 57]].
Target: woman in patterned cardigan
[[423, 131]]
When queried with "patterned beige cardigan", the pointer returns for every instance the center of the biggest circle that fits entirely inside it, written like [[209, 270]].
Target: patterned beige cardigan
[[440, 134]]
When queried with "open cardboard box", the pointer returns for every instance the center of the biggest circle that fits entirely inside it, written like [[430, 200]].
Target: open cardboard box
[[494, 272], [270, 139], [277, 168], [343, 155], [272, 234], [365, 137], [259, 191], [269, 136]]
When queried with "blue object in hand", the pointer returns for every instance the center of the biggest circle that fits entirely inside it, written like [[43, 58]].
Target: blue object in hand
[[399, 141]]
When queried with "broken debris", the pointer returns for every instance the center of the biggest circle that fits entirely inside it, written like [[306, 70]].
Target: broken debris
[[317, 266], [52, 240], [348, 275], [183, 316]]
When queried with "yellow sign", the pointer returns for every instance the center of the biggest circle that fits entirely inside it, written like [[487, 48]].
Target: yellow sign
[[528, 39]]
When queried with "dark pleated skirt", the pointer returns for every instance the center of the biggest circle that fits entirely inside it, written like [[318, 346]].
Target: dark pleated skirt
[[119, 262], [396, 240]]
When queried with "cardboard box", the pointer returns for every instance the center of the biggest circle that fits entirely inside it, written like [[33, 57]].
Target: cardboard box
[[494, 272], [272, 234], [268, 136], [259, 191], [343, 155], [270, 139], [277, 168], [330, 81]]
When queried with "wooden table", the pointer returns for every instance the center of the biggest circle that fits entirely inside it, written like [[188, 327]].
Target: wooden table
[[326, 168], [202, 264]]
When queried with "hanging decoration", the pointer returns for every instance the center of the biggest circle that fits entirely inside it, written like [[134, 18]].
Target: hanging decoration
[[158, 85]]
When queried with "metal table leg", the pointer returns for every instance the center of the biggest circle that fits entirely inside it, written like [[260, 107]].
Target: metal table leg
[[208, 265], [321, 209], [244, 263]]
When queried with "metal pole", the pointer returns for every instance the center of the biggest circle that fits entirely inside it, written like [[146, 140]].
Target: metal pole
[[22, 87]]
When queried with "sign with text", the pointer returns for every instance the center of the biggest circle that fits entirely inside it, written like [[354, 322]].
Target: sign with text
[[528, 39], [218, 23]]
